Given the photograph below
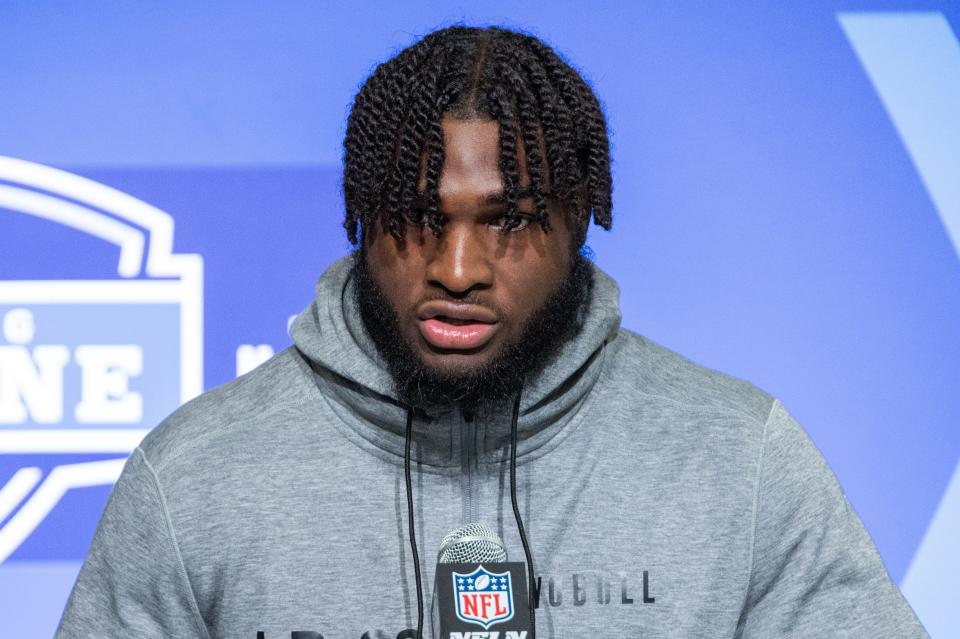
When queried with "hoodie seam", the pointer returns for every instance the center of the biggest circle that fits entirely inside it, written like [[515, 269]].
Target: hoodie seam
[[181, 566], [702, 406], [761, 458], [573, 424]]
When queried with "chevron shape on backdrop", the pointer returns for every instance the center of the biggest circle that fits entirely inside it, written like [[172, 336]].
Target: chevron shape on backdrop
[[913, 61]]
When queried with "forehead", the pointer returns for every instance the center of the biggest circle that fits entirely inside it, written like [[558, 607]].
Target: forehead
[[471, 150]]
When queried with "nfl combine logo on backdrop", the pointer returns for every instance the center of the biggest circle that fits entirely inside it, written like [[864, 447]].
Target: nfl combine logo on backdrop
[[100, 338], [483, 597]]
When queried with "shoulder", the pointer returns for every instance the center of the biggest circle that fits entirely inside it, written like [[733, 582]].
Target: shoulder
[[229, 416], [651, 373]]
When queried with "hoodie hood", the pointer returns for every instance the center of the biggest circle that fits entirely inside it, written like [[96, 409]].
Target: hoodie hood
[[345, 363]]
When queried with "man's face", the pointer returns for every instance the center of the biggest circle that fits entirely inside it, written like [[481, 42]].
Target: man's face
[[464, 299]]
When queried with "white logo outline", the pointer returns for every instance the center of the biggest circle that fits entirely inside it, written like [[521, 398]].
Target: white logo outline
[[144, 235]]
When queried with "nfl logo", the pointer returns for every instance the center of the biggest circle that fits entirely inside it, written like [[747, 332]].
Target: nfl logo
[[483, 597]]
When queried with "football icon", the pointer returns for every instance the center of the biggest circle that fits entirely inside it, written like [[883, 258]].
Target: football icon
[[482, 582]]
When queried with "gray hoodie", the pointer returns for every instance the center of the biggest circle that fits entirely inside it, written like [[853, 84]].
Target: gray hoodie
[[661, 499]]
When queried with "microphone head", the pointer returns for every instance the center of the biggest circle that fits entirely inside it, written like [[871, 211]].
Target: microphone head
[[473, 543]]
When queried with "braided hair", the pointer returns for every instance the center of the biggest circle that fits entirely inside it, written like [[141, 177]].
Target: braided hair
[[394, 137]]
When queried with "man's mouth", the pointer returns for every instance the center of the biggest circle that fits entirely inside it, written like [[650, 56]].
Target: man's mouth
[[452, 326]]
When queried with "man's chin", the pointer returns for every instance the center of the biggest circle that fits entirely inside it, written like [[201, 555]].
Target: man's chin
[[466, 377]]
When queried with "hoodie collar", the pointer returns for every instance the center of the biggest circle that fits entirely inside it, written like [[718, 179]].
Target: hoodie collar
[[330, 336]]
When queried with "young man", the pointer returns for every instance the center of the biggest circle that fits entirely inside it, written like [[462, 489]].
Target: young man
[[469, 343]]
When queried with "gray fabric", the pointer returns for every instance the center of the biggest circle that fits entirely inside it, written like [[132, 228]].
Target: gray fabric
[[661, 500]]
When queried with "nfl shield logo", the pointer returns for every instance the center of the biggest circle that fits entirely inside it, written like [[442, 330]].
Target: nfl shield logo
[[483, 597]]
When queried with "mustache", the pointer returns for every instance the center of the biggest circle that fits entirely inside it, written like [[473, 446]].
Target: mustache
[[470, 299]]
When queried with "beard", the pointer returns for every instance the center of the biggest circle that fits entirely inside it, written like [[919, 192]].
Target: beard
[[541, 337]]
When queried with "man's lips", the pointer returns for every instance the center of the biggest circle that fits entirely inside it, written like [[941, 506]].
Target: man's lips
[[456, 326]]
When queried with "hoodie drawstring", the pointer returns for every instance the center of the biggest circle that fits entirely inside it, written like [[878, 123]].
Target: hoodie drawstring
[[532, 590], [410, 525]]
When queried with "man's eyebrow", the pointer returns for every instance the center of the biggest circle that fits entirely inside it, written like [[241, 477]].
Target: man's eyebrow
[[497, 197], [492, 198]]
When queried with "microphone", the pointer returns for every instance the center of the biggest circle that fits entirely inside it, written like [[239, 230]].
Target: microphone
[[477, 589]]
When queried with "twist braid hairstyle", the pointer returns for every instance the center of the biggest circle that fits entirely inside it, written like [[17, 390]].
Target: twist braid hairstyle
[[394, 138]]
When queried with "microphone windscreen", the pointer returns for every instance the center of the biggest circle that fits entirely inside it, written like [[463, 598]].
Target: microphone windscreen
[[472, 543]]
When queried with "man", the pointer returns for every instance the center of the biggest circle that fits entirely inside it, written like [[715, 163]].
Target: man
[[465, 356]]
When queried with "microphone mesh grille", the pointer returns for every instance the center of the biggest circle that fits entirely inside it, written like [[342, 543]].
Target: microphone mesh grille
[[472, 543]]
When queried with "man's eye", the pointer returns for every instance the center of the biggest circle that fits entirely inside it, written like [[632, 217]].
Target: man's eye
[[416, 217], [501, 222]]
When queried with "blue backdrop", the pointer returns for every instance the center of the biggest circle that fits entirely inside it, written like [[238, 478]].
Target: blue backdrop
[[787, 210]]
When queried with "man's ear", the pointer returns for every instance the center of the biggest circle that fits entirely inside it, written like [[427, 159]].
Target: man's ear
[[578, 218]]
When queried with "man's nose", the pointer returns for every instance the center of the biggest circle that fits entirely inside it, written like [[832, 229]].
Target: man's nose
[[461, 261]]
